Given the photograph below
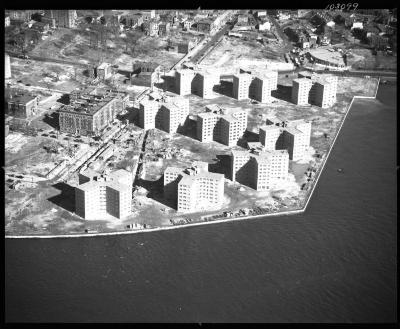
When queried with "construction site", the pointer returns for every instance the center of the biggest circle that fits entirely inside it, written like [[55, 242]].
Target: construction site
[[42, 167], [84, 122]]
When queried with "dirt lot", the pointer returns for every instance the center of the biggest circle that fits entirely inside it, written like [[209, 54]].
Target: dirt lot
[[47, 75], [364, 59], [232, 53]]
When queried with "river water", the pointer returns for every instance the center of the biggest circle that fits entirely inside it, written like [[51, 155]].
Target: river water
[[337, 262]]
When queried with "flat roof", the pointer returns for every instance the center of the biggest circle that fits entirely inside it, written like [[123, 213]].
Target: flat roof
[[269, 127], [103, 65], [18, 96], [325, 55]]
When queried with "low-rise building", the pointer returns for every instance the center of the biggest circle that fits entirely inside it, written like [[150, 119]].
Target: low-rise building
[[148, 14], [150, 27], [98, 196], [225, 126], [20, 104], [194, 189], [133, 20], [205, 26], [7, 21], [145, 73], [266, 26], [21, 15], [163, 28], [104, 71], [63, 18], [41, 26]]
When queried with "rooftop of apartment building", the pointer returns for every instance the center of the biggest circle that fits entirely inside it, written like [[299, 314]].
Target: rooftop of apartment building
[[114, 179], [198, 169], [215, 110], [317, 79], [90, 101], [18, 96], [277, 121], [259, 153], [302, 80]]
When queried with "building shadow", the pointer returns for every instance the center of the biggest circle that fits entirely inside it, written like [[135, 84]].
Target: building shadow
[[66, 199], [224, 88], [132, 115], [248, 136], [188, 128], [168, 84], [64, 99], [222, 165], [156, 191], [52, 120], [283, 92]]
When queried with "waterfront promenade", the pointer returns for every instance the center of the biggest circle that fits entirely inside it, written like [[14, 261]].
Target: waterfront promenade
[[280, 213]]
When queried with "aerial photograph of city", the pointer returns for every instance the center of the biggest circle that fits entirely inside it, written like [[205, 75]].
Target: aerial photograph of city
[[201, 165]]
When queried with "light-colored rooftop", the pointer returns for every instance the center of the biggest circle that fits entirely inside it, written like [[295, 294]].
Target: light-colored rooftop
[[323, 53], [103, 66]]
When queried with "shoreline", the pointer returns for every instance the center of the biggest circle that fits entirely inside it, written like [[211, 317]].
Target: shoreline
[[160, 228]]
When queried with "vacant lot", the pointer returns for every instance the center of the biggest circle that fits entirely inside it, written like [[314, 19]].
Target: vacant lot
[[364, 59], [233, 53]]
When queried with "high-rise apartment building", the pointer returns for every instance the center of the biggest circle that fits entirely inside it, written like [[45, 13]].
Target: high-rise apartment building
[[293, 136], [312, 89], [201, 83], [98, 196], [194, 189], [222, 125], [300, 91], [166, 114], [325, 93], [262, 85], [269, 135], [241, 84], [183, 81], [148, 110], [7, 66], [259, 169]]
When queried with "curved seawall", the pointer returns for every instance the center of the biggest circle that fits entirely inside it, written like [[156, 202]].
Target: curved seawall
[[282, 213]]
